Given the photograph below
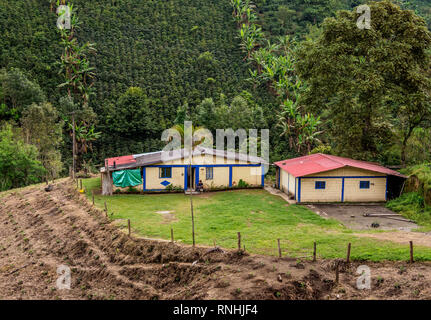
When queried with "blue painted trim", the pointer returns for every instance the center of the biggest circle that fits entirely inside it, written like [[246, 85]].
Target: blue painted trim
[[209, 174], [279, 175], [144, 179], [196, 177], [150, 190], [160, 172], [197, 166], [263, 176], [386, 194], [205, 165], [347, 177], [296, 193], [185, 177], [342, 190], [299, 189], [363, 187], [320, 185]]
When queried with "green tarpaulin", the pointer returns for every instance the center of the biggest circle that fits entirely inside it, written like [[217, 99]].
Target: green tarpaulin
[[127, 178]]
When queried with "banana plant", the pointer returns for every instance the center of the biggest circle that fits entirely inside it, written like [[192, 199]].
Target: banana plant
[[85, 136], [74, 63]]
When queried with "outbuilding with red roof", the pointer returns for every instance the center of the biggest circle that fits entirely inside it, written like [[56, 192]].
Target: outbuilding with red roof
[[327, 178]]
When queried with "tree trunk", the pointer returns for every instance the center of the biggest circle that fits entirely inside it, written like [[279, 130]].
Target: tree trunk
[[404, 146]]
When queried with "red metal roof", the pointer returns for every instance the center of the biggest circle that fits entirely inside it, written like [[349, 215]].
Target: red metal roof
[[120, 160], [316, 163]]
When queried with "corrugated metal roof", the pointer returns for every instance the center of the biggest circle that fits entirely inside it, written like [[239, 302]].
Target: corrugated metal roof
[[316, 163], [144, 159], [120, 160]]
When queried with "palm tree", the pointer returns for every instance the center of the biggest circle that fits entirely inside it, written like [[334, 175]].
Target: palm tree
[[84, 137], [310, 132], [286, 120], [181, 130], [301, 130], [184, 131]]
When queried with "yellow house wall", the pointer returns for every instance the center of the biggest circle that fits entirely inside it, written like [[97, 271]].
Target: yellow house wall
[[332, 192], [347, 171], [153, 181], [220, 174], [376, 192], [251, 175], [283, 180], [292, 181], [287, 182], [352, 192], [220, 177]]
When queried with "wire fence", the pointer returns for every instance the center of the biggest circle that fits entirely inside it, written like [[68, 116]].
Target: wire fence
[[241, 241]]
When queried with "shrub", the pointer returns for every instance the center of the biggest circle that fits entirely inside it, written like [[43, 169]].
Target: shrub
[[412, 206], [171, 187], [242, 184]]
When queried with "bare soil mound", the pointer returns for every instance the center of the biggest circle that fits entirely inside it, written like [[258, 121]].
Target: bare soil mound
[[40, 231]]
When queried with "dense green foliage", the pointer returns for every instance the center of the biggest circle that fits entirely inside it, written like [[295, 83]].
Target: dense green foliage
[[18, 161], [38, 136], [41, 127], [412, 206], [371, 86], [415, 202], [176, 53], [156, 62]]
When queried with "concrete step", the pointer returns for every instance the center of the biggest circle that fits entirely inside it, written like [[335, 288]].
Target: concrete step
[[191, 191]]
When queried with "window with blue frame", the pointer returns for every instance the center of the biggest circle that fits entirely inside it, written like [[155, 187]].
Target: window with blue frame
[[165, 172], [210, 173], [364, 184], [320, 185]]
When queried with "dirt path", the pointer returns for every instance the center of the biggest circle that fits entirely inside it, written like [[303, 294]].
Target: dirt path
[[418, 238], [277, 192], [40, 231]]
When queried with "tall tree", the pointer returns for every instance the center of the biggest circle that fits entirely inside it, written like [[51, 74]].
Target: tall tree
[[41, 127], [17, 92], [368, 84], [19, 165], [78, 80]]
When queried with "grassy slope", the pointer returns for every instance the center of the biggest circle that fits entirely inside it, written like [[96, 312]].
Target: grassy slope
[[414, 204], [261, 218]]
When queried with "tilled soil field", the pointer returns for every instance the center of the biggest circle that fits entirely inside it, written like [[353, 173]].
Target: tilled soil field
[[39, 231]]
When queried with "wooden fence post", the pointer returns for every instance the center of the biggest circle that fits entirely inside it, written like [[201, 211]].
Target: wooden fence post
[[239, 241], [128, 223], [172, 235], [80, 184], [411, 252], [337, 275], [314, 251], [348, 252], [106, 207], [214, 243], [92, 194], [279, 248]]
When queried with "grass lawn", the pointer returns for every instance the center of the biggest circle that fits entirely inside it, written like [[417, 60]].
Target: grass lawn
[[261, 218]]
